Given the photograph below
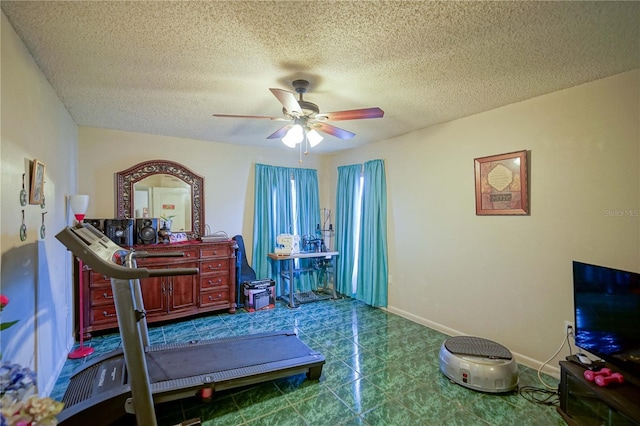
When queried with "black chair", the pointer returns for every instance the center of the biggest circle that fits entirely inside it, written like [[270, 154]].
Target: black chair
[[244, 272]]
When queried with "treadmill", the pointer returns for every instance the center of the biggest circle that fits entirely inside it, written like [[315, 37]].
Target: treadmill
[[133, 379]]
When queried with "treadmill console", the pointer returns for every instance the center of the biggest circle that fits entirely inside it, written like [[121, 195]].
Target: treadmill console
[[98, 242], [98, 251]]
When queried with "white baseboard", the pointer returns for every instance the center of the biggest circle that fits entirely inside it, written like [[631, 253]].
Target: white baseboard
[[521, 359]]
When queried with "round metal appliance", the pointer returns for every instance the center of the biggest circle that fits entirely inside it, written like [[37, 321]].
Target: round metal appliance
[[479, 364]]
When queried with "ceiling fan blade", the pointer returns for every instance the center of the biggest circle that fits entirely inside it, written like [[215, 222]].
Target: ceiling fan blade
[[280, 132], [250, 116], [288, 101], [333, 130], [352, 114]]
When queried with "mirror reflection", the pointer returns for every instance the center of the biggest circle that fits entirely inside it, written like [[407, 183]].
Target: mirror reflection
[[162, 188], [164, 196]]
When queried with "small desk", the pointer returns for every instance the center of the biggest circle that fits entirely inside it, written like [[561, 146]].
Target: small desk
[[291, 270]]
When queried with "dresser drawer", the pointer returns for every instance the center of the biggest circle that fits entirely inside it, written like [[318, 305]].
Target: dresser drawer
[[104, 314], [189, 254], [210, 281], [98, 279], [218, 250], [101, 296], [217, 297], [214, 265]]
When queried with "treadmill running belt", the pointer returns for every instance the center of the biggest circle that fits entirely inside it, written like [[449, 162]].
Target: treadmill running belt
[[222, 356]]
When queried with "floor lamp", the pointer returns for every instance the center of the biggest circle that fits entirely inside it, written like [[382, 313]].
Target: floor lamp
[[79, 204]]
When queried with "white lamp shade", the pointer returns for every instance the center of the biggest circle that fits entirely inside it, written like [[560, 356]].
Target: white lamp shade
[[314, 137], [79, 205], [293, 137]]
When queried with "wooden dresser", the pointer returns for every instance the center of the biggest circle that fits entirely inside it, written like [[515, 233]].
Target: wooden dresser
[[166, 298]]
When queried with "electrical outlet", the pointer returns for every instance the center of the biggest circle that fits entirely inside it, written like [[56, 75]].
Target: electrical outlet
[[568, 324]]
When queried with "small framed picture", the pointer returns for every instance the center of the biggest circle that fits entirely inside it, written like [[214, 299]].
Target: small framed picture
[[36, 195], [178, 237], [502, 186]]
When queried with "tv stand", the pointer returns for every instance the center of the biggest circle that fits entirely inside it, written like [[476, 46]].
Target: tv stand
[[585, 403]]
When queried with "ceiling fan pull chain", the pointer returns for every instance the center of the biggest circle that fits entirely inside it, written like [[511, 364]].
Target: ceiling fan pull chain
[[306, 143]]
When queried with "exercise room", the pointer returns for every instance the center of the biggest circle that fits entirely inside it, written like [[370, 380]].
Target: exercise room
[[320, 213]]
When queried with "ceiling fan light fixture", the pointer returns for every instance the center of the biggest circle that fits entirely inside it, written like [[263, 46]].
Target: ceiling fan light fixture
[[314, 138], [293, 137]]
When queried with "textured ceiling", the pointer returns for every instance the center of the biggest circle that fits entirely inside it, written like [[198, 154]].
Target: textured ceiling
[[166, 67]]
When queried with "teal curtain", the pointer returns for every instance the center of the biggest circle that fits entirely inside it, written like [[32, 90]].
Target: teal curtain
[[308, 217], [347, 201], [274, 215], [372, 265]]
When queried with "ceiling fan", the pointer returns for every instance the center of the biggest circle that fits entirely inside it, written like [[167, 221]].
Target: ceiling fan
[[306, 117]]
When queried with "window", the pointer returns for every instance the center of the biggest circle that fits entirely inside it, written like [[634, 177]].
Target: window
[[361, 232], [286, 202], [357, 217]]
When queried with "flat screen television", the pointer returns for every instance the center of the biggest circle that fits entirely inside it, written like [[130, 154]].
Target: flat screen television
[[607, 314]]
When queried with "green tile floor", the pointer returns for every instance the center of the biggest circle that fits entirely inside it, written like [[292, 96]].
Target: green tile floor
[[381, 369]]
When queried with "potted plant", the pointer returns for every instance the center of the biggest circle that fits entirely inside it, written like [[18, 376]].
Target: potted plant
[[166, 221]]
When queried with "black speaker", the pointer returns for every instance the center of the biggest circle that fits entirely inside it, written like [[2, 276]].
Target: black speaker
[[96, 223], [120, 231], [147, 231]]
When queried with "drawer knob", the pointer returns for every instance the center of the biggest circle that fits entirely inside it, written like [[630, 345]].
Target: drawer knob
[[106, 296], [215, 267], [107, 315], [217, 282]]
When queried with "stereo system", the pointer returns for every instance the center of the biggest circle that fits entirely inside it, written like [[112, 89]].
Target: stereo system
[[120, 231], [147, 231], [96, 223], [127, 232]]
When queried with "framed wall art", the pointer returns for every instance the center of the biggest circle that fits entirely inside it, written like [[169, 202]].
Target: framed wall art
[[502, 184], [36, 195]]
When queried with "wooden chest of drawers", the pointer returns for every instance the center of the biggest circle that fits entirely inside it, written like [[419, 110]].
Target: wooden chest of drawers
[[165, 298]]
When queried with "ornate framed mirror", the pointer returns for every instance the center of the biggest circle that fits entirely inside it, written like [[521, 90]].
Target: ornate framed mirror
[[161, 188]]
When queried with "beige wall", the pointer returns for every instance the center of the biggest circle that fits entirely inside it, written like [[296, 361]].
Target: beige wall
[[36, 273], [509, 278]]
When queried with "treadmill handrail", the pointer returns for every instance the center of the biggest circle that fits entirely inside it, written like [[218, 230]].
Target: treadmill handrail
[[172, 272], [109, 268]]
